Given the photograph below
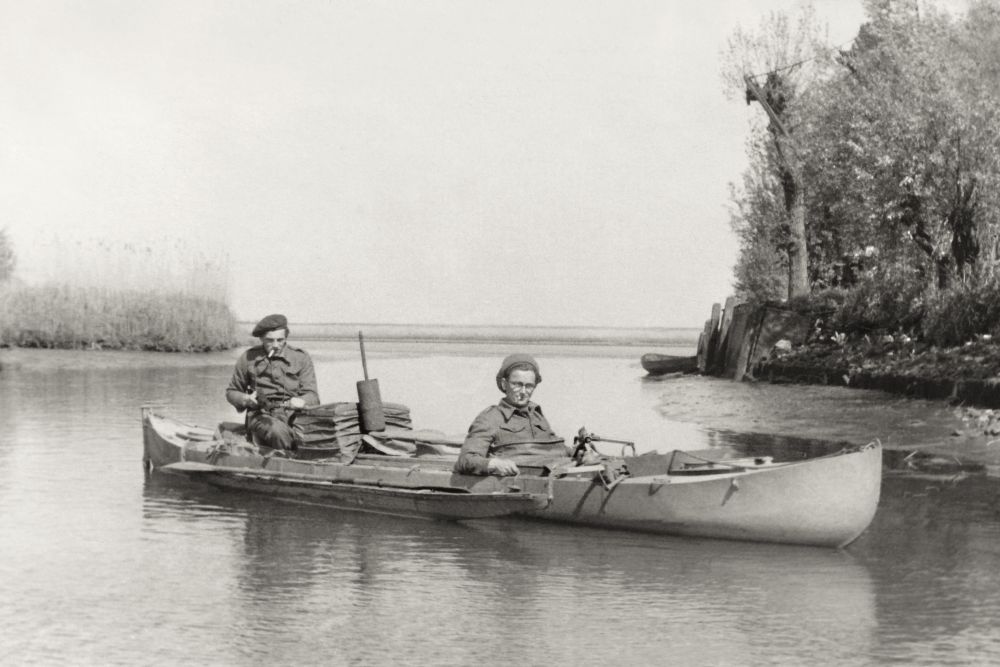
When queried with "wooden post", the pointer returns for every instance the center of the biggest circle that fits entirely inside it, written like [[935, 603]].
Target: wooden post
[[719, 361], [713, 338]]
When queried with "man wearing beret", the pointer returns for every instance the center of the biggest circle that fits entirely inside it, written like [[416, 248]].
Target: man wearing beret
[[514, 429], [271, 381]]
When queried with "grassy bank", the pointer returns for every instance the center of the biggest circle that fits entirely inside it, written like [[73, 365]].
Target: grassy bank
[[64, 316]]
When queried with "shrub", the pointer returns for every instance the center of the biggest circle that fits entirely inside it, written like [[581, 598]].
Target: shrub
[[961, 313], [886, 303]]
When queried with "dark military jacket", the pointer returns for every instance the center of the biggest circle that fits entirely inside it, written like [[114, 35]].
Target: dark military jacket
[[287, 374], [505, 431]]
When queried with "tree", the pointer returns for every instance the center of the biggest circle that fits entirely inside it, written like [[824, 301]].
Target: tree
[[896, 141], [761, 270], [787, 57], [918, 134]]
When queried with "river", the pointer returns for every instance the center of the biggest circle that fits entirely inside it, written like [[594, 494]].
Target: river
[[100, 564]]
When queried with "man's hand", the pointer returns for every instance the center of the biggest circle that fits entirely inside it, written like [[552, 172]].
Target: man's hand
[[250, 401], [502, 467], [296, 403]]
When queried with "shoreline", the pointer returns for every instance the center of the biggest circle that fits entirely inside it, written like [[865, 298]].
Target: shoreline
[[57, 359], [966, 377]]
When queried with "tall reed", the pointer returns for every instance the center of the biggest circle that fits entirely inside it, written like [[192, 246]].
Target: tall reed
[[104, 295]]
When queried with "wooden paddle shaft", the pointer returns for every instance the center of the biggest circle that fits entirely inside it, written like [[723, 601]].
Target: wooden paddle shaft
[[364, 360], [196, 467]]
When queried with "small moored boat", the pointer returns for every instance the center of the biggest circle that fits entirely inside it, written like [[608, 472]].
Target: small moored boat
[[661, 364], [826, 500]]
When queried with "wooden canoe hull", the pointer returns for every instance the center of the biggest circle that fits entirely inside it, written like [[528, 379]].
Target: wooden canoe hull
[[446, 503], [826, 501], [661, 364]]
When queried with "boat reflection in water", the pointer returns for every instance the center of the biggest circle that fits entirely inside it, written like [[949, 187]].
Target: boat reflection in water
[[301, 579], [934, 547]]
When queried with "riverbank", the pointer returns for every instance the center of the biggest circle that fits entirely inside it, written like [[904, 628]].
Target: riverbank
[[966, 378], [967, 374]]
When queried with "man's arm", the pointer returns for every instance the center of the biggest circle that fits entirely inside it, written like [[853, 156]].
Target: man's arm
[[474, 457], [237, 392], [308, 391]]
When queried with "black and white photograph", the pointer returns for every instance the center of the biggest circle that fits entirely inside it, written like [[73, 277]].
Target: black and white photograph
[[280, 281]]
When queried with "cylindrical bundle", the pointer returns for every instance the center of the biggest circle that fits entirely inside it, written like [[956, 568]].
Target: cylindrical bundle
[[370, 406]]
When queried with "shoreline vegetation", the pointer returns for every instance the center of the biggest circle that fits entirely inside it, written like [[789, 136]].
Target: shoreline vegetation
[[98, 295], [75, 318], [968, 374]]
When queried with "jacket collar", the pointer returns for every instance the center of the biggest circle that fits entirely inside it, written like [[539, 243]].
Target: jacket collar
[[508, 410]]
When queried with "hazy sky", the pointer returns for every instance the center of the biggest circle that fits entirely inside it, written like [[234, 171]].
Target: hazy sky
[[459, 162]]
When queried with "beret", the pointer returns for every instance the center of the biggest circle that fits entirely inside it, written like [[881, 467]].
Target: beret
[[269, 323], [513, 360]]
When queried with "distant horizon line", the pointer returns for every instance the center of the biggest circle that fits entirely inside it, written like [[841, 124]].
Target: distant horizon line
[[491, 326], [493, 333]]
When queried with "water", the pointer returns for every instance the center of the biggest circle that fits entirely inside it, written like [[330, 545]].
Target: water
[[100, 565]]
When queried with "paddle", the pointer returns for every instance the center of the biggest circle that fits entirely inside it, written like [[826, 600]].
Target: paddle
[[195, 467]]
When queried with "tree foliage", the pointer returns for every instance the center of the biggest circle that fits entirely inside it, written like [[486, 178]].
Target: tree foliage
[[900, 146], [778, 91]]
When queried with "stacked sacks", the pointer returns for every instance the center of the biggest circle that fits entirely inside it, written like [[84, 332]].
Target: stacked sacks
[[334, 429]]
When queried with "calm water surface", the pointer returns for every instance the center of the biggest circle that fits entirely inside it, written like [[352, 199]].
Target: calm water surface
[[102, 565]]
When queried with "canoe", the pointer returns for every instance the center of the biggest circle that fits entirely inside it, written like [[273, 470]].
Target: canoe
[[826, 500], [433, 503], [661, 364]]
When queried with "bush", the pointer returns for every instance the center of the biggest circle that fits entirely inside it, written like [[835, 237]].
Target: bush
[[877, 304], [961, 313]]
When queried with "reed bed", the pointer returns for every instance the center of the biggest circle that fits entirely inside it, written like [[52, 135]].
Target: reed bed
[[99, 295]]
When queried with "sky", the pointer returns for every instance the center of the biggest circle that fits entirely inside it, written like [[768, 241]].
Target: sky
[[467, 162]]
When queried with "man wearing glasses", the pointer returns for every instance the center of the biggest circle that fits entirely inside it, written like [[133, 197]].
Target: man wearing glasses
[[270, 382], [514, 429]]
